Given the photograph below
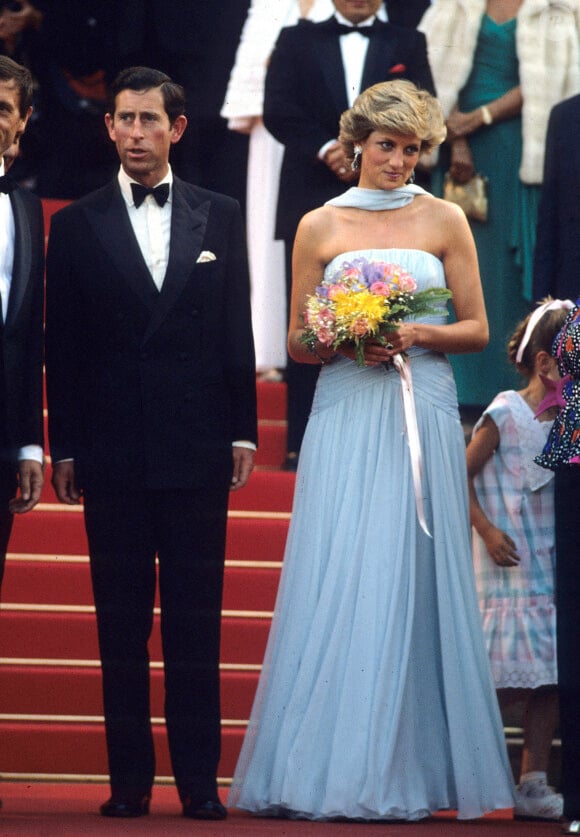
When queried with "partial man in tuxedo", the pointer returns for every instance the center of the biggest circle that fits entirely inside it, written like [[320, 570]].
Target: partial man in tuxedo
[[315, 73], [556, 260], [152, 406], [22, 299], [557, 250]]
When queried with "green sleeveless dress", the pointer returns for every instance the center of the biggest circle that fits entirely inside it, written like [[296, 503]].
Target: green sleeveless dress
[[505, 242]]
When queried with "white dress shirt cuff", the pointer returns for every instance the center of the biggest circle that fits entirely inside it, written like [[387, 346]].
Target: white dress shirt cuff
[[244, 444], [31, 452], [325, 148]]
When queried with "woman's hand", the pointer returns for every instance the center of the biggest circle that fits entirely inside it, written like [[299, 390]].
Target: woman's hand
[[375, 352], [462, 124], [461, 167]]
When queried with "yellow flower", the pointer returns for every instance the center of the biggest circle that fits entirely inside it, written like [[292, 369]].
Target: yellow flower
[[362, 306]]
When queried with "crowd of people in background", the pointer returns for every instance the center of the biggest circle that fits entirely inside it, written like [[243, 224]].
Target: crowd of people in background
[[263, 102]]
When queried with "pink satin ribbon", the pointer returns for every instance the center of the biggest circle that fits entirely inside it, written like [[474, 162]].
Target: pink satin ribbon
[[403, 367]]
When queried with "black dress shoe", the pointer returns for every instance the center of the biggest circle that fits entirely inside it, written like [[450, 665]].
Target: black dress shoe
[[204, 809], [118, 806]]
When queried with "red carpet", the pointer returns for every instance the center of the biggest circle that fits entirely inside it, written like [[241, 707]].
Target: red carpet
[[65, 810]]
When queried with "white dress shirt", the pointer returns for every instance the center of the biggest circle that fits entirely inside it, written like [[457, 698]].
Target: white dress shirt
[[353, 48], [151, 224], [7, 231]]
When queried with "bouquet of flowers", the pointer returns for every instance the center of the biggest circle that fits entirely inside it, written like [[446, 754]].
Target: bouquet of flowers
[[365, 299]]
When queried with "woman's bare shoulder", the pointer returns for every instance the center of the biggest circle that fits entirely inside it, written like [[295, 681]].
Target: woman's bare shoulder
[[318, 220]]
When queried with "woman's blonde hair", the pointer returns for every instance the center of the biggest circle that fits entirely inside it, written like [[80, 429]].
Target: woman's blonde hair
[[396, 106]]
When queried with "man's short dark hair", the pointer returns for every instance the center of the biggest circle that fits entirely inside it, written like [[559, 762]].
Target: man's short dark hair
[[11, 71], [145, 78]]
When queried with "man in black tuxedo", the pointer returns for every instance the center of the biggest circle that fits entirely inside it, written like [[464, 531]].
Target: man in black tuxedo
[[152, 415], [315, 73], [556, 260], [557, 252], [22, 300]]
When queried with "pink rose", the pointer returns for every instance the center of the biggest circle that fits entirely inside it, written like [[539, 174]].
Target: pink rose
[[380, 288], [359, 328], [325, 336], [407, 283]]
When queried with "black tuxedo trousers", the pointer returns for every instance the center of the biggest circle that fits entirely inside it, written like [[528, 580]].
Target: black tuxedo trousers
[[186, 531]]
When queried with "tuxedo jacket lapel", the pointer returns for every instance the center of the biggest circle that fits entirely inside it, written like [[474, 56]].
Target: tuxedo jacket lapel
[[22, 258], [110, 223], [188, 226], [380, 54], [329, 56]]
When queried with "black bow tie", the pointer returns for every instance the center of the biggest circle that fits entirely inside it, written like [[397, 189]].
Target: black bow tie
[[160, 193], [343, 29], [7, 184]]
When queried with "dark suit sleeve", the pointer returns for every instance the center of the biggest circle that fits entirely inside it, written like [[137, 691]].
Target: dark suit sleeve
[[62, 343], [420, 72], [25, 346], [547, 255], [238, 342], [286, 93]]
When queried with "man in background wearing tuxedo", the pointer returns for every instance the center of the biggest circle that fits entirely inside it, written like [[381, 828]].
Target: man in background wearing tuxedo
[[22, 299], [315, 73]]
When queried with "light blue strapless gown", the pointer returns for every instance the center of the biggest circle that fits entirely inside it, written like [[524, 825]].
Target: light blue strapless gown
[[375, 699]]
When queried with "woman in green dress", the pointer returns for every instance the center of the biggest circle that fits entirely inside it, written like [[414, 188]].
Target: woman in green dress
[[493, 64]]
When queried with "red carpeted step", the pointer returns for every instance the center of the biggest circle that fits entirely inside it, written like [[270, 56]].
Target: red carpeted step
[[251, 588], [62, 533], [256, 539], [271, 401], [271, 445], [62, 690], [58, 581], [265, 491], [73, 636], [50, 533], [66, 748]]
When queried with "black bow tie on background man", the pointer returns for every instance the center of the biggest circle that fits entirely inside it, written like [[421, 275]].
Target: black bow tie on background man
[[344, 29], [7, 185], [160, 193]]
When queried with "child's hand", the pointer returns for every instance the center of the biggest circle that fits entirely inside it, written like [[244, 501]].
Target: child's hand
[[501, 547]]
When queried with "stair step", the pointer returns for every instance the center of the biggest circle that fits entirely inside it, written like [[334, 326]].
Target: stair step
[[72, 636], [56, 581], [66, 690], [271, 401], [53, 748], [60, 531]]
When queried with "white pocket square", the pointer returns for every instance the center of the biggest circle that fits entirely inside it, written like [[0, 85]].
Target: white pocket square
[[206, 256]]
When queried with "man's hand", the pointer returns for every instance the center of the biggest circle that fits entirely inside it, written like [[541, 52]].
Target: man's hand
[[336, 160], [243, 466], [30, 482], [63, 481]]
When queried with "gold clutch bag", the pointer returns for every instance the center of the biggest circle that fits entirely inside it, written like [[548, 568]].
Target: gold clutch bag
[[471, 196]]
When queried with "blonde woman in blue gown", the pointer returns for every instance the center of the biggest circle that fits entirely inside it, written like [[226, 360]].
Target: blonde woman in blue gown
[[376, 700]]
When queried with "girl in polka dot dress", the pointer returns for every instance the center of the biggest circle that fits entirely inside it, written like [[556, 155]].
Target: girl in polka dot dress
[[512, 514]]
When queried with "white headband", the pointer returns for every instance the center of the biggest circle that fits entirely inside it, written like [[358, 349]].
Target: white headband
[[535, 319]]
